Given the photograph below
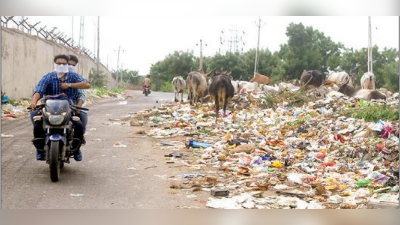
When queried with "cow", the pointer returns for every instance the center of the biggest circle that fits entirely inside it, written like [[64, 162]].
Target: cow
[[365, 94], [288, 87], [197, 86], [179, 85], [368, 81], [341, 78], [246, 87], [260, 79], [221, 90], [235, 85], [312, 79], [269, 88]]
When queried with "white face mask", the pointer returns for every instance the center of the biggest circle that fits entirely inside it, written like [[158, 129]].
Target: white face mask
[[61, 70], [71, 68]]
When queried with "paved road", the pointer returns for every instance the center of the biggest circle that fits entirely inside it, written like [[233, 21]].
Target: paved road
[[107, 177]]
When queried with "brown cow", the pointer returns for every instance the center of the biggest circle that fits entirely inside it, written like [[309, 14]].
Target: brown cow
[[260, 79]]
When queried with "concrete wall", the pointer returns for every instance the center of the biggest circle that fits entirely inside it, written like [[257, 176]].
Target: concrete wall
[[26, 58]]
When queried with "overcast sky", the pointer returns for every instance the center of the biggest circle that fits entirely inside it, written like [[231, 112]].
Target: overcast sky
[[146, 40]]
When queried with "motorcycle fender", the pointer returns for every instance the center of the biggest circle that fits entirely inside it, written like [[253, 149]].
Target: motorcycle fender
[[56, 137]]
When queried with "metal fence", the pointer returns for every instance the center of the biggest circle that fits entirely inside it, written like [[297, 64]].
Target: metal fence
[[46, 33]]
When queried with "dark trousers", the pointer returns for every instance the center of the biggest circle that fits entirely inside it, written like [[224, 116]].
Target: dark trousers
[[84, 118], [39, 133]]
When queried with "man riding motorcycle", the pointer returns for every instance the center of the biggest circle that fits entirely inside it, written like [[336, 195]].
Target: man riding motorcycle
[[81, 96], [146, 82], [60, 81]]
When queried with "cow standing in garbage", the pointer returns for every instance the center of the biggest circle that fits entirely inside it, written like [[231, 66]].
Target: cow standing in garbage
[[196, 83], [221, 90], [179, 85]]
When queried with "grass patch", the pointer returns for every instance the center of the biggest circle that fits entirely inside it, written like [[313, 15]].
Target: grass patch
[[372, 112], [116, 90], [295, 99], [299, 121], [101, 92]]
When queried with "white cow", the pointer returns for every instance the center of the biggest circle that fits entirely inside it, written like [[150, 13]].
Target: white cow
[[368, 81], [269, 88], [246, 87], [179, 85], [341, 78], [235, 84], [288, 86]]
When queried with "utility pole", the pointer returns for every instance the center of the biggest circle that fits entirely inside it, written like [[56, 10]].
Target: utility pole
[[98, 43], [81, 31], [258, 45], [119, 50], [201, 54], [118, 75], [370, 67], [72, 27], [122, 72]]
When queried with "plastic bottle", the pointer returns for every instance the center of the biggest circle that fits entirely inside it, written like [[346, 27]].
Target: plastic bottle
[[195, 144]]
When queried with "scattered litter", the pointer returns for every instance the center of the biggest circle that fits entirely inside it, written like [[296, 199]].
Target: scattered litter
[[150, 167], [119, 145], [76, 195], [175, 155], [300, 145], [97, 139], [192, 175], [7, 135], [219, 193]]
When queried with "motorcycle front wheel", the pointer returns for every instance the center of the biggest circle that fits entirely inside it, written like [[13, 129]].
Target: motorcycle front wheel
[[54, 161]]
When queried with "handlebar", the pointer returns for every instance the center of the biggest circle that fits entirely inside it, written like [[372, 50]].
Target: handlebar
[[73, 107], [41, 106]]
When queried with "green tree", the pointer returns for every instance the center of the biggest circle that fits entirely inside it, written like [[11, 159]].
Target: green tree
[[175, 64], [97, 79], [307, 49]]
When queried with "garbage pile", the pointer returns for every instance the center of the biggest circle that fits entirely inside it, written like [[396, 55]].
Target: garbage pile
[[299, 152], [95, 94], [13, 111]]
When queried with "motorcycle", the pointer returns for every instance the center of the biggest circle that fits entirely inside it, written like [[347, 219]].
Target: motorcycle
[[146, 90], [57, 116]]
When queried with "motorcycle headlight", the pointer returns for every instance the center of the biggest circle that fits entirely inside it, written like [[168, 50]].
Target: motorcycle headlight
[[56, 119]]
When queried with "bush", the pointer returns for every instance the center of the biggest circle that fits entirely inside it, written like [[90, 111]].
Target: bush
[[101, 92], [116, 90], [167, 87]]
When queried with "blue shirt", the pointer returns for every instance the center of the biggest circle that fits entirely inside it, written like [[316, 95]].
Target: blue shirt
[[50, 84], [81, 95]]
